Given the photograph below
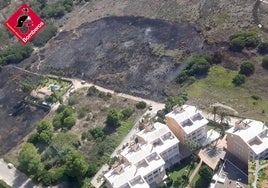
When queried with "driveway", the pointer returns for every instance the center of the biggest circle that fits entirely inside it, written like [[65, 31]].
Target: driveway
[[14, 177]]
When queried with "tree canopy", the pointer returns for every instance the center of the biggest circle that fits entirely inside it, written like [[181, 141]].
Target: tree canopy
[[76, 166], [265, 62], [29, 159], [113, 117], [247, 68]]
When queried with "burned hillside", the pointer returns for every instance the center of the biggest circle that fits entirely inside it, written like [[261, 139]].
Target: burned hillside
[[131, 54]]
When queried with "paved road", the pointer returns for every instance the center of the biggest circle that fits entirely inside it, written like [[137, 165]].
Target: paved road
[[13, 177]]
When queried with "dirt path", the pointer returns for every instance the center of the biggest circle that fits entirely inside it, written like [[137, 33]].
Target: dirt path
[[196, 170]]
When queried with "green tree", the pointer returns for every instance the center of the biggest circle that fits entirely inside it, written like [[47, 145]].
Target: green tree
[[92, 91], [200, 67], [76, 166], [141, 105], [57, 121], [247, 68], [263, 48], [44, 131], [29, 159], [265, 62], [97, 133], [69, 122], [113, 117], [239, 79], [127, 112], [244, 39], [206, 172]]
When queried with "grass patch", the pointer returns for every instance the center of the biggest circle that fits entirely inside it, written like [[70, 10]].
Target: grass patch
[[218, 87], [201, 181], [186, 167]]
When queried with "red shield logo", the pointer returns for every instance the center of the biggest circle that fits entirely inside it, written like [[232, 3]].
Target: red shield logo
[[24, 24]]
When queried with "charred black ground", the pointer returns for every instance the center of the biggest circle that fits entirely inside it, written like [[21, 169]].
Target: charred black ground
[[131, 54], [17, 118]]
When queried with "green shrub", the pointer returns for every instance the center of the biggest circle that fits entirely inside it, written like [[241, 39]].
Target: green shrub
[[265, 62], [198, 65], [141, 105], [239, 79], [182, 77], [92, 91], [113, 117], [127, 112], [244, 39], [97, 133], [256, 97], [72, 101], [247, 68], [69, 122], [263, 48]]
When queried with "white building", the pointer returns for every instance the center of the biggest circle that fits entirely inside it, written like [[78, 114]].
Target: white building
[[248, 140], [144, 162], [188, 124]]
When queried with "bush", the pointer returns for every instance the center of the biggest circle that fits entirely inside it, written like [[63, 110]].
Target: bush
[[97, 133], [141, 105], [198, 65], [256, 97], [247, 68], [69, 122], [72, 101], [263, 48], [244, 39], [92, 91], [206, 172], [127, 112], [113, 117], [182, 77], [265, 62], [239, 79]]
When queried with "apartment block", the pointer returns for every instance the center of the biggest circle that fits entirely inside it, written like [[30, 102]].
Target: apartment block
[[187, 123], [248, 140], [143, 161]]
